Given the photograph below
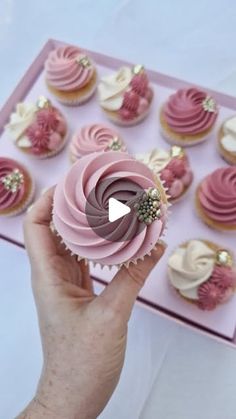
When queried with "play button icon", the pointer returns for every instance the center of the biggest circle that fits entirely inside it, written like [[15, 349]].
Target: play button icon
[[117, 210]]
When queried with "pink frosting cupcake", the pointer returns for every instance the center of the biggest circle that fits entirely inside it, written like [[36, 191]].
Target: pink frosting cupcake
[[126, 96], [83, 195], [70, 75], [173, 167], [216, 199], [94, 137], [202, 273], [39, 129], [188, 117], [16, 187]]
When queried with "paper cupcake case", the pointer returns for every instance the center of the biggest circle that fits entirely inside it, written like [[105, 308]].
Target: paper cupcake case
[[183, 223]]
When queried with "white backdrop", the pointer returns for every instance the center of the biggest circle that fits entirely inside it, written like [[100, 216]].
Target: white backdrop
[[170, 372]]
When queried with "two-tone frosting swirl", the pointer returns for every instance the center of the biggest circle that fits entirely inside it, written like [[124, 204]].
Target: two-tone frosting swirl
[[95, 137], [12, 185], [217, 196], [68, 68], [191, 266], [190, 111], [72, 208]]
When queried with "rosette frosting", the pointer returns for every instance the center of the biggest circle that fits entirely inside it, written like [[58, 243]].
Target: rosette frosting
[[228, 140], [68, 68], [190, 111], [95, 137], [217, 196], [12, 186], [191, 266], [70, 209]]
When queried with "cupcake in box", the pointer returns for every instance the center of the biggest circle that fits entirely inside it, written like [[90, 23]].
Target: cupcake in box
[[216, 199], [71, 75], [188, 117], [126, 95], [94, 137], [81, 203], [227, 140], [173, 168], [16, 187], [202, 273], [39, 129]]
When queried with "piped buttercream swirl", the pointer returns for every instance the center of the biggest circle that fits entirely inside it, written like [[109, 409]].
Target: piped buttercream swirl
[[217, 196], [69, 208], [185, 112], [95, 137], [66, 70]]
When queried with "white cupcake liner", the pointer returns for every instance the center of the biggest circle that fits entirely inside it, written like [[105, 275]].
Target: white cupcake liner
[[79, 101], [183, 143]]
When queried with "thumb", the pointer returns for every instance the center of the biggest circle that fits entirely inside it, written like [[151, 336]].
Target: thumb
[[123, 290]]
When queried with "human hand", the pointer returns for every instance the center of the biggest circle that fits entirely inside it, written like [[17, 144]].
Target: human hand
[[83, 335]]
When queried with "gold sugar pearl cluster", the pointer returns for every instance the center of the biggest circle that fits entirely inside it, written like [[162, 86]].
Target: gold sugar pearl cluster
[[13, 181], [148, 209], [115, 144], [43, 102], [84, 61], [209, 105], [224, 258]]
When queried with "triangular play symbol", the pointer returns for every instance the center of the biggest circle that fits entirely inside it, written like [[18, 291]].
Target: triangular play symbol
[[116, 209]]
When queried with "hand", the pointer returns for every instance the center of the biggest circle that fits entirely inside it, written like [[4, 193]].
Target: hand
[[83, 335]]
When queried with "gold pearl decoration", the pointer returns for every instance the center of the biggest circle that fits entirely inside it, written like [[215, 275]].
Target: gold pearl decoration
[[13, 181], [177, 151], [148, 209], [115, 144], [84, 61], [224, 258], [208, 104], [43, 102], [138, 68]]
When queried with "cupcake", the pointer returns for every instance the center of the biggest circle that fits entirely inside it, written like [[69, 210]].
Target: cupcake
[[126, 96], [16, 187], [94, 137], [216, 199], [38, 130], [82, 199], [202, 273], [173, 167], [70, 75], [227, 140], [188, 117]]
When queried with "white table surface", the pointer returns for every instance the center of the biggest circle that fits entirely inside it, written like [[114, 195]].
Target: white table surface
[[170, 372]]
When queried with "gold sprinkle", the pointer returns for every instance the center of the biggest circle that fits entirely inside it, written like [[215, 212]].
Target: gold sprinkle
[[224, 258], [84, 61], [13, 181], [208, 104], [115, 144]]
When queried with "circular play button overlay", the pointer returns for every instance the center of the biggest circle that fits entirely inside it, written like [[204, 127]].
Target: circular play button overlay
[[118, 209]]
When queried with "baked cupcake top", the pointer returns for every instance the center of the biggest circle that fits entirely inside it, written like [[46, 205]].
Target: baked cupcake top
[[38, 128], [190, 111], [12, 183], [228, 139], [68, 68], [127, 92], [217, 196], [95, 137], [77, 201], [202, 272], [173, 167]]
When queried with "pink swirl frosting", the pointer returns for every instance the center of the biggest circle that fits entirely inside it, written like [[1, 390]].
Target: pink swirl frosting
[[8, 198], [65, 71], [70, 202], [217, 196], [185, 112], [95, 137]]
